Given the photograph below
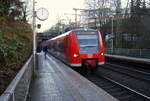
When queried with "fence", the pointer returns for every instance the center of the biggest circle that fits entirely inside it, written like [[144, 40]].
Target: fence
[[142, 53], [18, 88]]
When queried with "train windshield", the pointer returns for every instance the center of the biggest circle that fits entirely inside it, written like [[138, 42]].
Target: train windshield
[[88, 43]]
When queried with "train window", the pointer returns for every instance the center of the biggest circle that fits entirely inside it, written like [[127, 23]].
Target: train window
[[88, 43], [49, 46], [87, 39], [67, 42], [61, 46], [55, 45]]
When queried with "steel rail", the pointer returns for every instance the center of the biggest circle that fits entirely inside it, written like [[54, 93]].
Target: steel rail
[[145, 96]]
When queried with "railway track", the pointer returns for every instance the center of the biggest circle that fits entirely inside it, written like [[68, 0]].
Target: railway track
[[140, 66], [122, 82], [122, 93], [131, 77], [135, 72]]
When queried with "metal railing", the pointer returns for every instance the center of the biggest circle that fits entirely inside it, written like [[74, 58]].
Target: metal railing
[[141, 53], [18, 88]]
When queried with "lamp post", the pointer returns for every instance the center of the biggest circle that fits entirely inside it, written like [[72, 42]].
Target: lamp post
[[34, 34], [41, 14]]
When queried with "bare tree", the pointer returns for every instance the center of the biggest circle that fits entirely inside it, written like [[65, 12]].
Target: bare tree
[[103, 9]]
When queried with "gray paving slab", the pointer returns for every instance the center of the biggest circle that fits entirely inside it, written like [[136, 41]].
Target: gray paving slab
[[56, 82]]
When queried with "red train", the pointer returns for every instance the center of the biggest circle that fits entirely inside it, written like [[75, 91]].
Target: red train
[[78, 47]]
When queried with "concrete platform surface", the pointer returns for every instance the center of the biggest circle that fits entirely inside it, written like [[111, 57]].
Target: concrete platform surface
[[57, 82], [134, 59]]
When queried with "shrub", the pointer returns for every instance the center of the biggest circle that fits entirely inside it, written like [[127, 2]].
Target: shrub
[[15, 48]]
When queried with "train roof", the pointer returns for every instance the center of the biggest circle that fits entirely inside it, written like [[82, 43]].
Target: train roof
[[60, 35], [74, 30]]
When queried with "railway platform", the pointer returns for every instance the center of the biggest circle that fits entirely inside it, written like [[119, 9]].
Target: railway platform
[[129, 59], [56, 82]]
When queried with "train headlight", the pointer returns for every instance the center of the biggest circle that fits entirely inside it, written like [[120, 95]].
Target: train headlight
[[102, 54], [75, 55]]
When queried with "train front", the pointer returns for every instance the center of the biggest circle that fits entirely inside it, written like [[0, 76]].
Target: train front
[[90, 47]]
